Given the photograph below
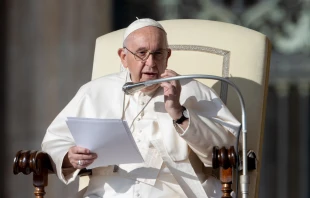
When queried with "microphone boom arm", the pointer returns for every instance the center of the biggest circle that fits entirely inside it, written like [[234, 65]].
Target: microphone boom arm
[[130, 88]]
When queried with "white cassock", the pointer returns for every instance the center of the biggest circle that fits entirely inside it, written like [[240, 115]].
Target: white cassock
[[174, 158]]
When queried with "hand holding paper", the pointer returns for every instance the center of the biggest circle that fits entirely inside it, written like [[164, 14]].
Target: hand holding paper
[[110, 139]]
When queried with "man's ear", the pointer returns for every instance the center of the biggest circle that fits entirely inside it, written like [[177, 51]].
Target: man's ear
[[168, 56], [122, 55], [169, 53]]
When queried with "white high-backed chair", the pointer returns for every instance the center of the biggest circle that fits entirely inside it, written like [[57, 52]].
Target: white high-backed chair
[[213, 48]]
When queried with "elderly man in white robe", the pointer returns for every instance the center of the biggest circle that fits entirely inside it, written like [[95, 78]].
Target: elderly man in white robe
[[174, 124]]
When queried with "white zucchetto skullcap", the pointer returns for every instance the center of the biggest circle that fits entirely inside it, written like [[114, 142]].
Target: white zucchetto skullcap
[[141, 23]]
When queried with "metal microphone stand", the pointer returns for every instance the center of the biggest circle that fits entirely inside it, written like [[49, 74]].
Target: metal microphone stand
[[130, 88]]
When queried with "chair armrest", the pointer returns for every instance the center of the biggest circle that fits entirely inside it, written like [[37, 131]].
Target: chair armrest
[[28, 161], [38, 163]]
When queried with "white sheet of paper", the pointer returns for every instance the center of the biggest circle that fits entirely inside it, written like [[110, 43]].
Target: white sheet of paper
[[111, 139]]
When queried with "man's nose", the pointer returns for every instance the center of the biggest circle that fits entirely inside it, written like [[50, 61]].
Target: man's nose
[[150, 60]]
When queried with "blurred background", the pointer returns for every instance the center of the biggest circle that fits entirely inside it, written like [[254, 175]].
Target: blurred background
[[46, 54]]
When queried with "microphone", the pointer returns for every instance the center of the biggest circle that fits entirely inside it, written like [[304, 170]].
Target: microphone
[[130, 88]]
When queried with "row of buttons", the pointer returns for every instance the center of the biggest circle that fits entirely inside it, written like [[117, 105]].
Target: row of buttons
[[137, 191]]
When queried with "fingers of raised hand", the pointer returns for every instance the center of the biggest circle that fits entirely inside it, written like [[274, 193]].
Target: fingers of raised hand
[[170, 73], [172, 88], [169, 88]]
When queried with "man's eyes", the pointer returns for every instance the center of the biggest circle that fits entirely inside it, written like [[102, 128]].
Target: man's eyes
[[142, 53], [158, 52], [145, 53]]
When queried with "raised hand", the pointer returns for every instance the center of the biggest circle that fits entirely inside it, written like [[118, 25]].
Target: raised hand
[[172, 91]]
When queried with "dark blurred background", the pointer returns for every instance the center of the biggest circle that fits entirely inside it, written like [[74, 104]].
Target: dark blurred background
[[46, 54]]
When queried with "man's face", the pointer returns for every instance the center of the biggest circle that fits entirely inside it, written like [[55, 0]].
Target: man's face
[[142, 41]]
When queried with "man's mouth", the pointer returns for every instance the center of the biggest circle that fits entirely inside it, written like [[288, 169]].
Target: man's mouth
[[150, 74]]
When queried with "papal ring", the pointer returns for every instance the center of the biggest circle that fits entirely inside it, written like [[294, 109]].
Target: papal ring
[[80, 163]]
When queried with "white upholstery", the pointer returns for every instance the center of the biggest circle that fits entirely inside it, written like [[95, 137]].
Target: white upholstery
[[227, 50]]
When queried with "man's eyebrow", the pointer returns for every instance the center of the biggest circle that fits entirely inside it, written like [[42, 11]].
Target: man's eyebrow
[[141, 49]]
